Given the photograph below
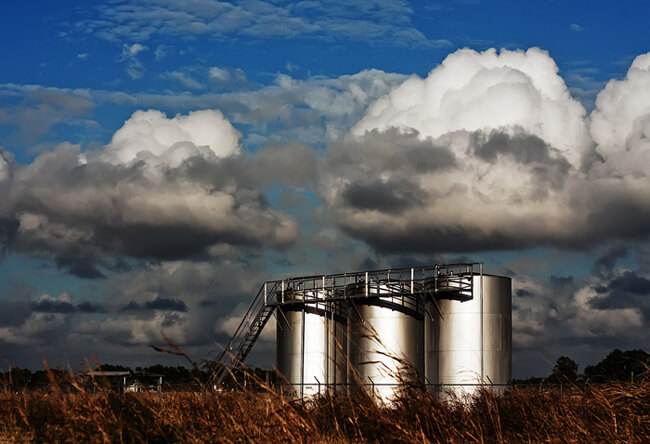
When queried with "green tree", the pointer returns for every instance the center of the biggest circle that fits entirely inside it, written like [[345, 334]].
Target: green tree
[[16, 379], [114, 368], [565, 370], [619, 366]]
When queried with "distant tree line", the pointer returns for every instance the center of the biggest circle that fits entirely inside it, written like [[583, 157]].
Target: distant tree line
[[620, 366], [177, 378]]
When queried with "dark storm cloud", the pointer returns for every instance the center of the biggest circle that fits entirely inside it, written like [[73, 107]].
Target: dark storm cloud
[[8, 229], [13, 313], [630, 282], [293, 164], [603, 210], [566, 313], [521, 293], [515, 191], [80, 267], [393, 195], [132, 306], [629, 290], [165, 304], [429, 238], [613, 300], [526, 149], [607, 261], [419, 184], [53, 306], [84, 212], [392, 151], [166, 242], [170, 320], [188, 300], [89, 307]]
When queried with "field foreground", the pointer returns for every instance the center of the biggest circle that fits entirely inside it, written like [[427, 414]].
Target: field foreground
[[606, 413]]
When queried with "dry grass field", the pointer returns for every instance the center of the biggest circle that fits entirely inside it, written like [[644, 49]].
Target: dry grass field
[[606, 413]]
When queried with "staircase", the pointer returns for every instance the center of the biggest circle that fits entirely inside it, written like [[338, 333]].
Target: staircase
[[249, 330]]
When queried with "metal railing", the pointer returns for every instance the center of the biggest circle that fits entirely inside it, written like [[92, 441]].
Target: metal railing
[[404, 287], [455, 280], [249, 329]]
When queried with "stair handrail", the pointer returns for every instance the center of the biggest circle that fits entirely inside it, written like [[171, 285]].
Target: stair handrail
[[264, 296]]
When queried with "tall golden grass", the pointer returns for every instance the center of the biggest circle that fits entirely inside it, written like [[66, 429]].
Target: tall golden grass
[[615, 412]]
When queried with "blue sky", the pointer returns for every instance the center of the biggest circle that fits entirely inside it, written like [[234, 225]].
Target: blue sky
[[297, 147]]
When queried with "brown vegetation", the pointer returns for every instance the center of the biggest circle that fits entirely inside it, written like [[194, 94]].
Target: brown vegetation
[[614, 412]]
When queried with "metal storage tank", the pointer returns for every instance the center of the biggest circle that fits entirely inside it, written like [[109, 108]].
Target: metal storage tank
[[469, 343], [311, 346], [386, 338]]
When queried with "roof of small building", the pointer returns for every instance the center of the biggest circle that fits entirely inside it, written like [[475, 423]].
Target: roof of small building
[[108, 373]]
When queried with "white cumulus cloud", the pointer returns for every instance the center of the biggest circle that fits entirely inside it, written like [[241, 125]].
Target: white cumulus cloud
[[490, 151], [150, 133], [473, 91], [621, 121]]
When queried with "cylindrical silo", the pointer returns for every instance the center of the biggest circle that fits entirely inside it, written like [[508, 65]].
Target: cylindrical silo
[[311, 346], [470, 342], [386, 338]]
